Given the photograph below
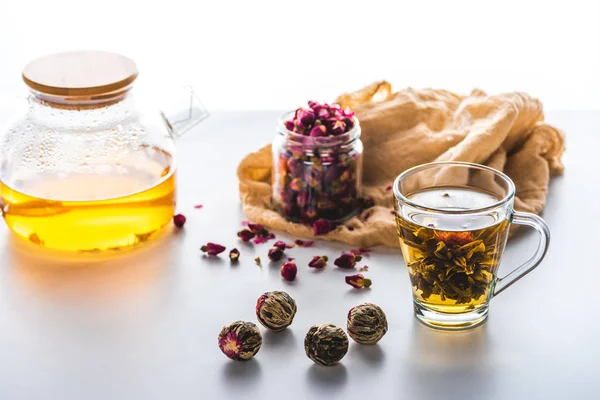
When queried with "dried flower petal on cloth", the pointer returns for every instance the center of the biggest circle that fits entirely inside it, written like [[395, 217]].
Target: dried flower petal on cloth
[[412, 127]]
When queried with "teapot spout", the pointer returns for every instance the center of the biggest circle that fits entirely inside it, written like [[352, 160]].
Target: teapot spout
[[183, 111]]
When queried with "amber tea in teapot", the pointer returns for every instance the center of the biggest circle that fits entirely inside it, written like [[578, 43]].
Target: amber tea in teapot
[[87, 168]]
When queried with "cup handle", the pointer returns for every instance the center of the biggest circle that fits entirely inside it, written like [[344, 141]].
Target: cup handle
[[532, 220]]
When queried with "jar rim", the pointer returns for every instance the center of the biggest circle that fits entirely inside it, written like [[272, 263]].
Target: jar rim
[[322, 141]]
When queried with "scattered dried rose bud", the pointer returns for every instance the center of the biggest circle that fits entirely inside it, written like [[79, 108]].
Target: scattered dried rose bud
[[240, 340], [318, 262], [358, 281], [275, 310], [289, 125], [350, 228], [257, 261], [326, 344], [179, 220], [393, 212], [358, 252], [198, 206], [289, 271], [246, 235], [367, 323], [387, 189], [212, 249], [281, 244], [258, 229], [275, 254], [322, 226], [234, 255], [347, 260], [364, 268], [291, 258]]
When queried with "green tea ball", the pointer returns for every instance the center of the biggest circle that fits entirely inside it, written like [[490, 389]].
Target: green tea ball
[[326, 344], [275, 310], [367, 323], [240, 340]]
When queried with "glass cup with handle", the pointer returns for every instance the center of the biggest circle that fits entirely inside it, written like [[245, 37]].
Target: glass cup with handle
[[453, 220]]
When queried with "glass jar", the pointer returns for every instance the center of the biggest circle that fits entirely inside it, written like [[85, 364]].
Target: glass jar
[[316, 177], [89, 165]]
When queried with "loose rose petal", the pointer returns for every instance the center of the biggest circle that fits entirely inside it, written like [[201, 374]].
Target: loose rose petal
[[318, 262], [347, 260], [302, 243], [212, 249], [387, 189], [289, 125], [257, 261], [322, 226], [198, 206], [364, 268], [264, 239], [289, 271], [234, 255], [358, 281], [179, 220], [275, 254], [246, 235]]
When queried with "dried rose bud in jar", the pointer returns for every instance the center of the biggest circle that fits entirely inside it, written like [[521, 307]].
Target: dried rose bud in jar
[[317, 171]]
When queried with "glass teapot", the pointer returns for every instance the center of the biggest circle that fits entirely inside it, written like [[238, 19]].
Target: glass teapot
[[90, 166]]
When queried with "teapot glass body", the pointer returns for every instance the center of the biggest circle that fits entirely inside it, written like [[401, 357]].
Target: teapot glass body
[[91, 173]]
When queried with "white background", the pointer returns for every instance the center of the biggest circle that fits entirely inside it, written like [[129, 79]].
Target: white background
[[274, 55]]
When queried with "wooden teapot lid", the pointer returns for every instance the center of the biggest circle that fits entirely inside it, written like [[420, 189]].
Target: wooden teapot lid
[[80, 73]]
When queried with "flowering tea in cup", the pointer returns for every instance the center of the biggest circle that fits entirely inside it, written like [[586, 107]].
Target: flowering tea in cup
[[453, 221]]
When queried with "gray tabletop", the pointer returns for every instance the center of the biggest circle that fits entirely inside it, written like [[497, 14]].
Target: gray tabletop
[[144, 325]]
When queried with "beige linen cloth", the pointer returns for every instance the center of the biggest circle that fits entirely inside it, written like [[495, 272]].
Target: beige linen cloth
[[412, 127]]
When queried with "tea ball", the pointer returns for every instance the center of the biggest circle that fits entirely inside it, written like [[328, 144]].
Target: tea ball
[[240, 340], [275, 310], [367, 323], [326, 344]]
